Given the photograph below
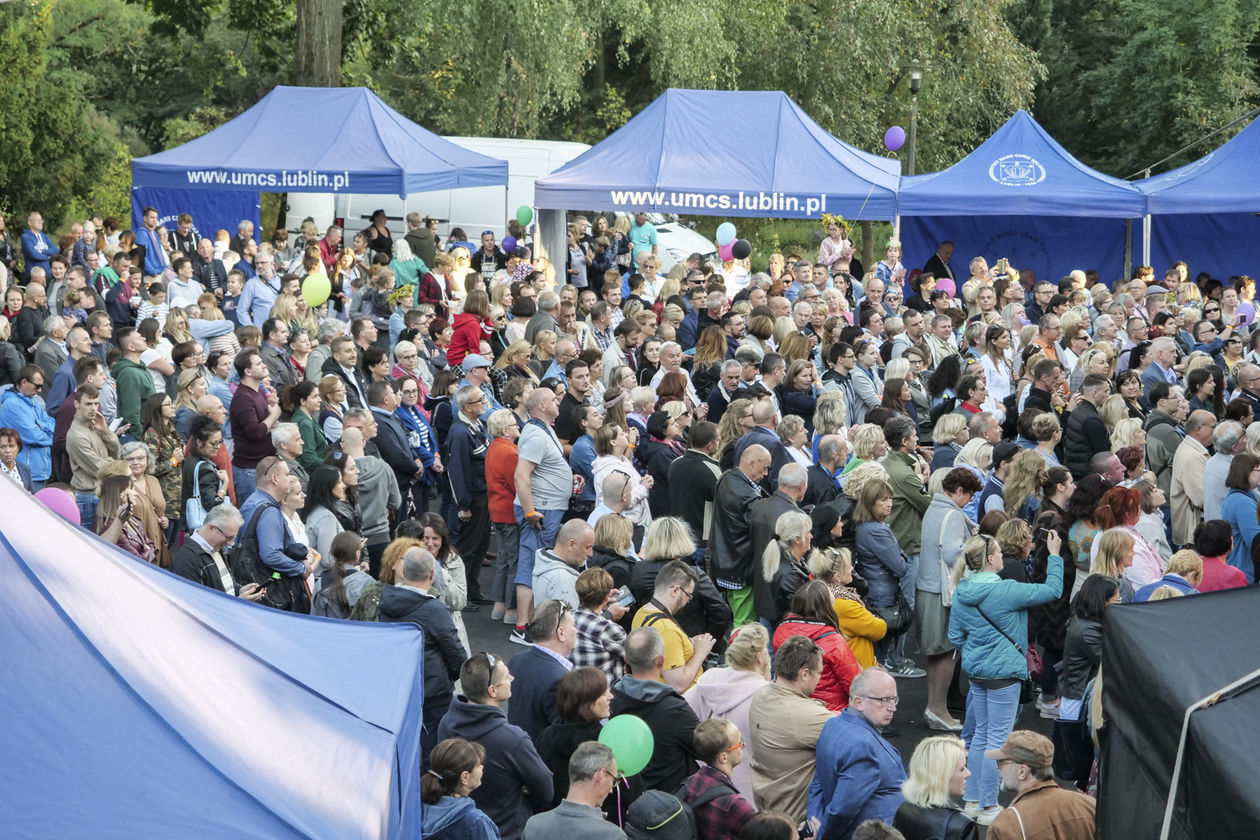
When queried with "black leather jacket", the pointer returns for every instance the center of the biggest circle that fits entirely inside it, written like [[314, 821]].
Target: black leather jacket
[[947, 822], [730, 543], [1082, 651]]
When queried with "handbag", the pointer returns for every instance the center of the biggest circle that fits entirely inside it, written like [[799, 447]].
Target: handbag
[[194, 510], [1026, 689], [898, 616]]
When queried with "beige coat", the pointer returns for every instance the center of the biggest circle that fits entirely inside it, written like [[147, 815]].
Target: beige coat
[[88, 450], [1186, 489], [785, 727]]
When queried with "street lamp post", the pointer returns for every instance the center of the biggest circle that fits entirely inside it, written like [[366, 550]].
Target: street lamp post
[[916, 80]]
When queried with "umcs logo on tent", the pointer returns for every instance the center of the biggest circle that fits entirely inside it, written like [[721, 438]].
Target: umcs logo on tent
[[1017, 171]]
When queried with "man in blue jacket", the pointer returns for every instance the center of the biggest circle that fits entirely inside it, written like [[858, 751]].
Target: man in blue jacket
[[515, 782], [858, 776], [22, 409], [538, 671]]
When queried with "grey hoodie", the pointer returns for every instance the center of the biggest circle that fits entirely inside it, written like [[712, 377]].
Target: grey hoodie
[[554, 578], [378, 495]]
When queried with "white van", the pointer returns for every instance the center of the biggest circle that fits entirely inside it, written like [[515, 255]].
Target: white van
[[473, 208]]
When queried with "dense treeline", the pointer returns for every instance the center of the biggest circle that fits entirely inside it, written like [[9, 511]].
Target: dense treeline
[[89, 83]]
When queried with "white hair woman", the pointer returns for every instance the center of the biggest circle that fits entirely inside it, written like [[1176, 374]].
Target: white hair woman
[[783, 565]]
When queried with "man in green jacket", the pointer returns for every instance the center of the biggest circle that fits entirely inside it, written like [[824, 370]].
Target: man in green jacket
[[910, 500], [133, 380]]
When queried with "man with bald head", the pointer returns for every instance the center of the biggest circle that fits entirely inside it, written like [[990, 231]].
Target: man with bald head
[[730, 540], [1249, 386], [212, 407], [763, 434]]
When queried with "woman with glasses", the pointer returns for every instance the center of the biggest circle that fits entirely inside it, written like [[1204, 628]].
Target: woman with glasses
[[423, 443], [332, 396], [660, 449], [988, 623], [202, 477]]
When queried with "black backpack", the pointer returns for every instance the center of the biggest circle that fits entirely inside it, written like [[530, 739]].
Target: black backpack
[[282, 593]]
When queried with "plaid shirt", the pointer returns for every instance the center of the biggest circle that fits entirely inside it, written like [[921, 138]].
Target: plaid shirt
[[599, 644], [721, 817]]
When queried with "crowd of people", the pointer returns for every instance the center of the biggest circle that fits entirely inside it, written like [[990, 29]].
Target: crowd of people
[[740, 506]]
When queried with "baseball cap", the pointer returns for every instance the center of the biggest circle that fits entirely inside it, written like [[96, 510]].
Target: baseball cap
[[473, 361], [1005, 451], [1026, 747]]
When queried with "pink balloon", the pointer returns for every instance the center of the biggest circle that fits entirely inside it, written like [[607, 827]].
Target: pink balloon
[[946, 284], [60, 502], [894, 138], [724, 251]]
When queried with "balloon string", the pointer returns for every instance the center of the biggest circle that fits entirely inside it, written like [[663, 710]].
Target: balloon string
[[621, 823], [868, 198]]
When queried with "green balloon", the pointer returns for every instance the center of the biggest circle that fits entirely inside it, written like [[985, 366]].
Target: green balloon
[[316, 288], [630, 741], [524, 214]]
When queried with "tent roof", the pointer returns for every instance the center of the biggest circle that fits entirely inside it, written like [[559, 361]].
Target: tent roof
[[1019, 171], [729, 153], [1158, 659], [175, 710], [1222, 181], [298, 139]]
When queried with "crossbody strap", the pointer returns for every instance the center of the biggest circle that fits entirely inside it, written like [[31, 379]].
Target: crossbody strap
[[197, 484], [1022, 832], [1005, 635]]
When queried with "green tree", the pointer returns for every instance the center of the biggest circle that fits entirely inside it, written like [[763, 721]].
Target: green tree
[[56, 145], [1131, 81]]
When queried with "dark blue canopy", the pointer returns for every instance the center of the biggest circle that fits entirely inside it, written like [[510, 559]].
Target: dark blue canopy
[[299, 139], [138, 704], [725, 153], [1019, 171], [1223, 181]]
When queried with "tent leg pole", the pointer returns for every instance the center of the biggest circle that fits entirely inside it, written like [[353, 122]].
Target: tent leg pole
[[1128, 247], [1146, 240]]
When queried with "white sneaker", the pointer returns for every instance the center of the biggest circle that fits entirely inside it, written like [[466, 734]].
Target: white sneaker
[[988, 814]]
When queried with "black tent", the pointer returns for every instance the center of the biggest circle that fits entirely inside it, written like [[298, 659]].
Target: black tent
[[1160, 660]]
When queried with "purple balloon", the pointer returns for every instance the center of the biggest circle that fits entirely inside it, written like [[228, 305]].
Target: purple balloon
[[61, 503], [894, 138], [509, 244]]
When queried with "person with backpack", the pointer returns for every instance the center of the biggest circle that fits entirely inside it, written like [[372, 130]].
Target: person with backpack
[[720, 811], [266, 552]]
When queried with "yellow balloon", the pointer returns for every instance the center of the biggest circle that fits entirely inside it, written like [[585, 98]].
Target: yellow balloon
[[316, 288]]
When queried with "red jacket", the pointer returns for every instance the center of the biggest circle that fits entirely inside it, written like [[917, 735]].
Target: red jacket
[[839, 665], [466, 339], [500, 481]]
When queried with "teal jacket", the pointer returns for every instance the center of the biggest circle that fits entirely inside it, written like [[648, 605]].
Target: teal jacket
[[985, 653]]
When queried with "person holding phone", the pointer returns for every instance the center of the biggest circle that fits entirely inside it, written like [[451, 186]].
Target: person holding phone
[[988, 623], [117, 518]]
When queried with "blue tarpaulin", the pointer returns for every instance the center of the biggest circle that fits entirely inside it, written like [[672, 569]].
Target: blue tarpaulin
[[1205, 212], [1019, 171], [141, 705], [725, 153], [1020, 195], [211, 210], [297, 139]]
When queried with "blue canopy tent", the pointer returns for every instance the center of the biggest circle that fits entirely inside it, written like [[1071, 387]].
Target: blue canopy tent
[[1020, 195], [139, 704], [770, 161], [1205, 212], [324, 140], [720, 153]]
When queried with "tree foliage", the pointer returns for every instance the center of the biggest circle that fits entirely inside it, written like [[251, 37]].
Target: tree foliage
[[1132, 81]]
